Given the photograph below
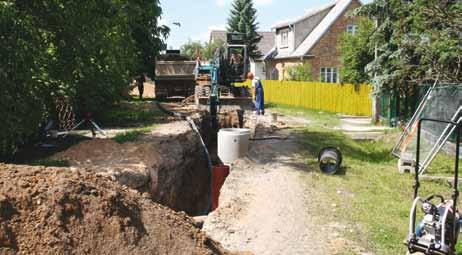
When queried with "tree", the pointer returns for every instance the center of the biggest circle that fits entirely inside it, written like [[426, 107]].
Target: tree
[[192, 49], [209, 49], [87, 53], [301, 72], [242, 19], [205, 51], [147, 34], [416, 42], [357, 51]]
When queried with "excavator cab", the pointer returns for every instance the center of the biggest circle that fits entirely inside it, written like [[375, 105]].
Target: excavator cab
[[215, 80], [236, 57]]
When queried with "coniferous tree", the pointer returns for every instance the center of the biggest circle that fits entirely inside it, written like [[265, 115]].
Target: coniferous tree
[[242, 19]]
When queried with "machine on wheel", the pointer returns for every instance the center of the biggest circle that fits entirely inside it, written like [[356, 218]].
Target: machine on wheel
[[215, 81], [437, 232]]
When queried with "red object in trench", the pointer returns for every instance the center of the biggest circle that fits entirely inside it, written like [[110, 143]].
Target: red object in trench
[[219, 174]]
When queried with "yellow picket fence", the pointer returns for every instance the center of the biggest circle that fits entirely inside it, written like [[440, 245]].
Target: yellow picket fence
[[337, 98]]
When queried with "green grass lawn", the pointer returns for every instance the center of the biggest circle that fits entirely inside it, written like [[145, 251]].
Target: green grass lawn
[[133, 134], [139, 116], [319, 118], [371, 197], [133, 113]]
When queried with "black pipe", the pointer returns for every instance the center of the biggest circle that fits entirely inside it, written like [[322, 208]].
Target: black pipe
[[455, 195], [417, 160], [330, 160]]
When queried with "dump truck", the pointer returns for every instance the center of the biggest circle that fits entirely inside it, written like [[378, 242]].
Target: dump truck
[[174, 75]]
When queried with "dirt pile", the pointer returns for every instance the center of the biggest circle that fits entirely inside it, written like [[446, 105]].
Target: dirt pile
[[70, 211], [127, 163], [169, 163]]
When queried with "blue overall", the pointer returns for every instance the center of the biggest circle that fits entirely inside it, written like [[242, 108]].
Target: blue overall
[[259, 98]]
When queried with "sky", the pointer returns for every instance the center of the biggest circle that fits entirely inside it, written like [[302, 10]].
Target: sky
[[198, 17]]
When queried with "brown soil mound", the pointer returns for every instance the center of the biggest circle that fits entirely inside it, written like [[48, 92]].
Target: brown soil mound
[[68, 211], [168, 163]]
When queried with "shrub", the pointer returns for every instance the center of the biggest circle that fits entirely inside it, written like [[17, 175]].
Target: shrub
[[87, 53], [301, 72]]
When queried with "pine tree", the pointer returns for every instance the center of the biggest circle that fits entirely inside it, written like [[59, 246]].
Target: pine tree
[[242, 19]]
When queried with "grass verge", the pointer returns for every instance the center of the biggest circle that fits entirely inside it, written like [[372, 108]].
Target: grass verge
[[319, 118], [368, 195], [51, 163], [133, 114], [132, 135]]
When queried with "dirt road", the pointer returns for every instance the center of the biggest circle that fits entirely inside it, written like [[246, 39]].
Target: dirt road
[[268, 206]]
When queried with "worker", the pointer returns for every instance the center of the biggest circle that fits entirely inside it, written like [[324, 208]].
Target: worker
[[259, 95], [140, 83], [196, 69]]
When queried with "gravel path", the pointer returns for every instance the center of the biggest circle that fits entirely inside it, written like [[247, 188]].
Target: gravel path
[[268, 206]]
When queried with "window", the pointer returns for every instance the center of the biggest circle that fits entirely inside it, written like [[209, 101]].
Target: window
[[329, 74], [285, 38], [352, 29]]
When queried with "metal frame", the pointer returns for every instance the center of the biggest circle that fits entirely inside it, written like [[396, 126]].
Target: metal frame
[[413, 120], [413, 244], [444, 137]]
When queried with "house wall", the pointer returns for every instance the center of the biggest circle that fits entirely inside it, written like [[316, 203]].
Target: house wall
[[282, 67], [258, 68], [326, 51]]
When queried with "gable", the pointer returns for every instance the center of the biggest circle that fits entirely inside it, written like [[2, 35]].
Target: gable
[[323, 27], [217, 35], [304, 27], [308, 14]]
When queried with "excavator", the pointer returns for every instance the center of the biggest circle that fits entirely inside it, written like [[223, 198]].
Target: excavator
[[215, 81]]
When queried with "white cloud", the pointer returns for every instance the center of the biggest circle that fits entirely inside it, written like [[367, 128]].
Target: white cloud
[[205, 35], [217, 27], [263, 2], [223, 3]]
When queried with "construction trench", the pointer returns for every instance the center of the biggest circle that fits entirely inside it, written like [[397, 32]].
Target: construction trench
[[80, 209]]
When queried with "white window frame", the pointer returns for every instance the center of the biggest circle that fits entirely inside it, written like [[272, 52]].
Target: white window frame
[[285, 38], [329, 75], [352, 29]]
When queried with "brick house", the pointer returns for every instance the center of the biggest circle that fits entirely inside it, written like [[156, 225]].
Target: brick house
[[312, 38], [266, 44]]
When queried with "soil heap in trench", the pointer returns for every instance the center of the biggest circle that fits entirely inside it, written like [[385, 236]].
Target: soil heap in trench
[[69, 211]]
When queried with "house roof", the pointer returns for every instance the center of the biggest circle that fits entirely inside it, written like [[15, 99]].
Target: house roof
[[315, 35], [217, 35], [337, 9], [265, 45], [267, 42], [308, 14]]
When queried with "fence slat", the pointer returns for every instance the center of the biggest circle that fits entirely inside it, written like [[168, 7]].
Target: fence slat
[[337, 98]]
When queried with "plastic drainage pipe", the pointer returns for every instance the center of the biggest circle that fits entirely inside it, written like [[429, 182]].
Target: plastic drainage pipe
[[204, 147], [330, 160]]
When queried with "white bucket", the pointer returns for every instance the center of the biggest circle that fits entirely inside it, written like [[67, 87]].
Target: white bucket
[[233, 143]]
